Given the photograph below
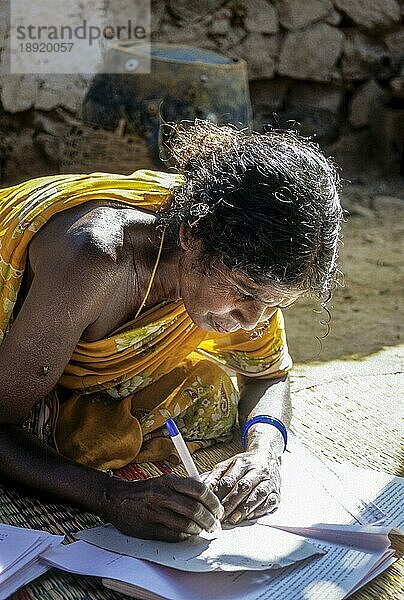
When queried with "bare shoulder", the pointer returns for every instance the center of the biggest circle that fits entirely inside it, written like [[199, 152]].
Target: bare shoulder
[[88, 253], [88, 235]]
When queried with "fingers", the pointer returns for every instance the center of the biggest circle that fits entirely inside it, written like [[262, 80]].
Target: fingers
[[258, 503], [247, 488], [191, 516], [198, 491], [178, 524], [158, 523], [158, 531], [213, 478], [269, 505], [167, 507], [225, 479], [241, 491]]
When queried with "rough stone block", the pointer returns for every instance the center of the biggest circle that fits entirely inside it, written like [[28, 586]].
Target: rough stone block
[[295, 14], [261, 17], [18, 92], [352, 152], [56, 124], [234, 38], [333, 18], [190, 11], [194, 36], [316, 106], [268, 98], [4, 26], [364, 57], [300, 57], [25, 159], [157, 10], [362, 100], [387, 132], [50, 147], [260, 52], [371, 14], [67, 91], [395, 45], [397, 87], [320, 124], [221, 25]]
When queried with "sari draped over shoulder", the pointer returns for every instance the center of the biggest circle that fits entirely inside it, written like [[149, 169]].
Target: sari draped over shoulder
[[122, 388]]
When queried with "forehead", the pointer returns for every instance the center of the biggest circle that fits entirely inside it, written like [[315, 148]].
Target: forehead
[[270, 293]]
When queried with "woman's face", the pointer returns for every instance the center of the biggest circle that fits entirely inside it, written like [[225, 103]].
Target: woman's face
[[225, 300]]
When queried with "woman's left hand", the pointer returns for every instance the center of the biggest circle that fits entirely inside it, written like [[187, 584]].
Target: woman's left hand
[[248, 485]]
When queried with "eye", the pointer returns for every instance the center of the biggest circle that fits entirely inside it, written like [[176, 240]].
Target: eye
[[243, 295]]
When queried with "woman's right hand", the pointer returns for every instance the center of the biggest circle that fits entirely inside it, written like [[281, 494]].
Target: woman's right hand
[[169, 507]]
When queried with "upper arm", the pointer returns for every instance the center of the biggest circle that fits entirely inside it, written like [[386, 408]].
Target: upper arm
[[66, 295]]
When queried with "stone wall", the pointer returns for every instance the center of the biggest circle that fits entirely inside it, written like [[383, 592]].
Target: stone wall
[[334, 66]]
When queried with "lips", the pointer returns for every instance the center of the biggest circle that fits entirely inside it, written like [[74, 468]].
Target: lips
[[219, 328], [222, 329]]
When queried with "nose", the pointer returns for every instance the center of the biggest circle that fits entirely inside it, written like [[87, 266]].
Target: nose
[[249, 318]]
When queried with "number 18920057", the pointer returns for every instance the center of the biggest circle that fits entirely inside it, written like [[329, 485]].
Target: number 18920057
[[46, 46]]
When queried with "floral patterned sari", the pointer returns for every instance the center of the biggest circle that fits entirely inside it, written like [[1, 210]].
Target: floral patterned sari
[[122, 388]]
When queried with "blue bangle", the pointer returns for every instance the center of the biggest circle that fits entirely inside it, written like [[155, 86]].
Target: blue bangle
[[270, 421]]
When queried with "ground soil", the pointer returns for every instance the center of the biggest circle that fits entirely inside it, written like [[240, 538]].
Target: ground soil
[[366, 311]]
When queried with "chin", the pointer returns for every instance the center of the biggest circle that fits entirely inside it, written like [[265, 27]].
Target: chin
[[207, 327], [203, 324], [201, 321]]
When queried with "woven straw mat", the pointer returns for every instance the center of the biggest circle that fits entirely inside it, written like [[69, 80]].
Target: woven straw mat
[[345, 410]]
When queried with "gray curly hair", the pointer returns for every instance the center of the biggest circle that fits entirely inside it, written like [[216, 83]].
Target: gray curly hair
[[266, 204]]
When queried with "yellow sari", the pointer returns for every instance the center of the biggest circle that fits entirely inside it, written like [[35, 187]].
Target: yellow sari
[[159, 365]]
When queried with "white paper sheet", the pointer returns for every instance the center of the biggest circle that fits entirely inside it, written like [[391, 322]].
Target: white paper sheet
[[19, 551], [304, 499], [315, 475], [330, 577], [360, 537], [30, 571], [42, 544], [14, 543], [245, 547], [87, 559], [386, 491]]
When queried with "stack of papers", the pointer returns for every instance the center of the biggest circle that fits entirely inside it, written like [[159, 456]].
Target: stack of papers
[[342, 537], [333, 576], [19, 556]]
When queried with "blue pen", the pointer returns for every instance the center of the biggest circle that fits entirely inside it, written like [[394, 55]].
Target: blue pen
[[184, 454], [182, 450]]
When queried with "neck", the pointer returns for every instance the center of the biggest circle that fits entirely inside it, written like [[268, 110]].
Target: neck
[[165, 285], [166, 280]]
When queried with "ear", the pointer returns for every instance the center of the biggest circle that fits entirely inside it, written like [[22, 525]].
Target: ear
[[186, 239]]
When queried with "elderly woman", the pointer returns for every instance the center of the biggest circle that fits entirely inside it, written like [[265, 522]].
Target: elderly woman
[[126, 300]]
